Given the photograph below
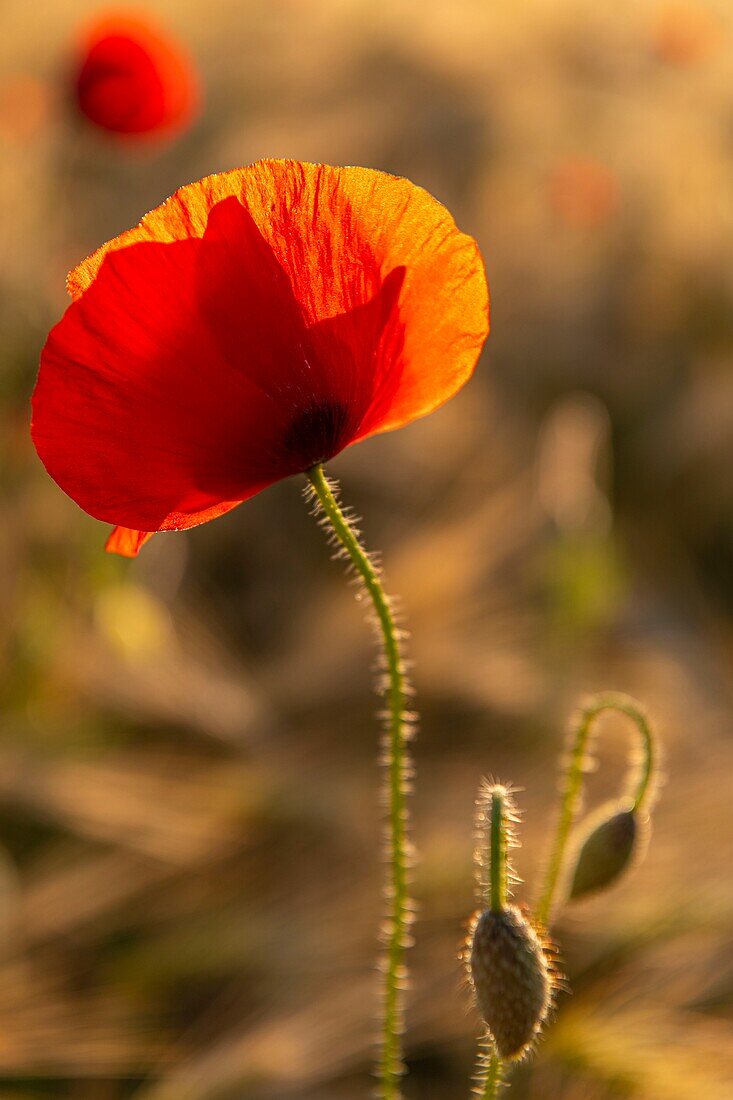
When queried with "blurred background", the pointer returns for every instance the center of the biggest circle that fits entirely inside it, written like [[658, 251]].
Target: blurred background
[[189, 833]]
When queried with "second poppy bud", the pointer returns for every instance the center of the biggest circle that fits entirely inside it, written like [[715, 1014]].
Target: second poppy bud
[[606, 848]]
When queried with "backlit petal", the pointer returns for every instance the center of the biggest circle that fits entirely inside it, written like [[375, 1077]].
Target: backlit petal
[[257, 323], [127, 543], [137, 413]]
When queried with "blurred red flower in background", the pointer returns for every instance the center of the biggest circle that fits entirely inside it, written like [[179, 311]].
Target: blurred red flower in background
[[134, 79], [683, 34], [255, 324], [584, 192]]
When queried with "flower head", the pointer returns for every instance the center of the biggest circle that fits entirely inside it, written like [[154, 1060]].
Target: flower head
[[254, 325], [132, 78]]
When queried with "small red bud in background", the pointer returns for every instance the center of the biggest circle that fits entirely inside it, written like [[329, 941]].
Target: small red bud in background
[[133, 79]]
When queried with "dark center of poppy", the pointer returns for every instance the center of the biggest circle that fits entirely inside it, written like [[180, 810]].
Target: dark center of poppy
[[317, 433]]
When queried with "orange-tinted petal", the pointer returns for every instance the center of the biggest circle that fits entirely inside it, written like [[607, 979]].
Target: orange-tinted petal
[[258, 322], [338, 232], [138, 414], [126, 542]]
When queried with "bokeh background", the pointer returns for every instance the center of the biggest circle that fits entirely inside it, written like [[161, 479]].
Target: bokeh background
[[189, 834]]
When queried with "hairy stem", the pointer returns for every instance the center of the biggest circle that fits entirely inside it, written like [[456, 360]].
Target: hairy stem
[[496, 815], [495, 822], [390, 1066], [493, 1076], [641, 785], [572, 786], [499, 843]]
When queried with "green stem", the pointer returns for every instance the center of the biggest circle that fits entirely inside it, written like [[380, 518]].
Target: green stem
[[498, 863], [495, 817], [494, 1075], [643, 785], [571, 790], [390, 1066]]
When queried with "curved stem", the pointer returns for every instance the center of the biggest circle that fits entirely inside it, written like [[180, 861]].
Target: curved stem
[[571, 790], [643, 785], [390, 1063]]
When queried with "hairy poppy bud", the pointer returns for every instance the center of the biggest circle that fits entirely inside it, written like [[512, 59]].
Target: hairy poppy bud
[[606, 848], [511, 979]]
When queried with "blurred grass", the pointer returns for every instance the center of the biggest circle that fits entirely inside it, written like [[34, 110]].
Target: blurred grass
[[189, 881]]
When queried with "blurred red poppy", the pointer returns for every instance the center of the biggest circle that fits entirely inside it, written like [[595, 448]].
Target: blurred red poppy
[[683, 34], [584, 192], [133, 79], [255, 324]]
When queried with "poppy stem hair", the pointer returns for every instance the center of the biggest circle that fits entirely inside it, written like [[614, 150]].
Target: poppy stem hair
[[496, 817], [493, 1075], [639, 788], [496, 821], [396, 762], [498, 897]]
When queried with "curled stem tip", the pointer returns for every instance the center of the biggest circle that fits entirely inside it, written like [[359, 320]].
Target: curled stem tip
[[639, 783], [389, 1070]]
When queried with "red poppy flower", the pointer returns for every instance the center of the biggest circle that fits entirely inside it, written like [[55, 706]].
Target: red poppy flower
[[255, 324], [133, 78]]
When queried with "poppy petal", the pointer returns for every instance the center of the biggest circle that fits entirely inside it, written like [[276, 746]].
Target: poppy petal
[[338, 232], [137, 414], [258, 322], [127, 543]]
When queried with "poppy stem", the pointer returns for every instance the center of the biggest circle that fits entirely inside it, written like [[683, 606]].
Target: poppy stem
[[495, 817], [640, 782], [498, 865], [395, 758], [492, 1076]]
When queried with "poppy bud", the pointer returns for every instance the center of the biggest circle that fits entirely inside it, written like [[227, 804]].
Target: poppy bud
[[511, 979], [606, 848]]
